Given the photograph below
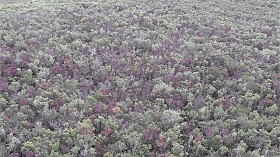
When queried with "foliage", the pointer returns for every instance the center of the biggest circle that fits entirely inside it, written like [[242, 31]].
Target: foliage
[[139, 78]]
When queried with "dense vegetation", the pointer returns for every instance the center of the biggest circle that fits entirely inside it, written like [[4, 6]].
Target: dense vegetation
[[125, 78]]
